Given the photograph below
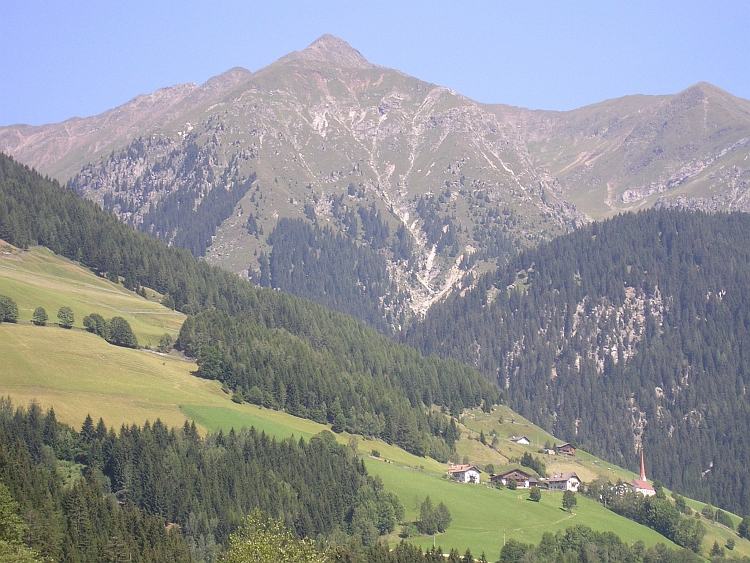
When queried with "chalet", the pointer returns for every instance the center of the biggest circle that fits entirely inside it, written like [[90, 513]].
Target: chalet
[[642, 485], [523, 480], [566, 449], [522, 440], [464, 473], [564, 482]]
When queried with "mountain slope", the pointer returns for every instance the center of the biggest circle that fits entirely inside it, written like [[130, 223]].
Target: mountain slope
[[626, 334], [686, 150], [324, 133], [268, 348]]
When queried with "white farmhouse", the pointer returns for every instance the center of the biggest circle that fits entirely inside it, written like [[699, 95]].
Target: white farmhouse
[[564, 482], [464, 473]]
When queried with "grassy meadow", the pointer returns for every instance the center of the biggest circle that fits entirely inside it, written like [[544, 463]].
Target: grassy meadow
[[39, 278], [79, 373]]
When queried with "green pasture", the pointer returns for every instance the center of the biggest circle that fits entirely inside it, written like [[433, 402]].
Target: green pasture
[[481, 513], [39, 278], [78, 373]]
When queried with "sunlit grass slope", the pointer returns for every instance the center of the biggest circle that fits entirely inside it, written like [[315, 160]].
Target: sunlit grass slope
[[39, 278]]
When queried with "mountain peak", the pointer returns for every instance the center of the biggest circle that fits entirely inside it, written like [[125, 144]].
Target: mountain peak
[[331, 49]]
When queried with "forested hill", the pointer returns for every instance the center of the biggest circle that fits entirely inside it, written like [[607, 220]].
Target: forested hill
[[124, 487], [268, 347], [635, 330]]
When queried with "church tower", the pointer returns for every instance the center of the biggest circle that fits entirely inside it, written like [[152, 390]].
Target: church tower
[[642, 485]]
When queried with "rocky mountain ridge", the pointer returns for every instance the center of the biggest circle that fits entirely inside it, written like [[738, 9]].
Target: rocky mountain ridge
[[323, 134]]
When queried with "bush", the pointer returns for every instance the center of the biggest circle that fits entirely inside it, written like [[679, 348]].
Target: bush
[[433, 520], [743, 530], [116, 331], [569, 501], [723, 518], [535, 494], [95, 323], [166, 342]]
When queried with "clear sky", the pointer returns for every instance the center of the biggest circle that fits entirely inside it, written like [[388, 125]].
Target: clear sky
[[60, 59]]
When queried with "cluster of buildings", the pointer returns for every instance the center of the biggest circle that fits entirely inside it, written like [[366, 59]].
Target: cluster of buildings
[[524, 480], [557, 482]]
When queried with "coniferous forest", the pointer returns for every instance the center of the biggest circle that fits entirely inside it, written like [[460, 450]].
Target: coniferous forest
[[151, 493], [627, 332], [132, 486], [267, 347], [334, 270]]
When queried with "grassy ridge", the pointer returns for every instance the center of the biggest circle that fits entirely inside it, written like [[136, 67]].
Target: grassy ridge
[[78, 373]]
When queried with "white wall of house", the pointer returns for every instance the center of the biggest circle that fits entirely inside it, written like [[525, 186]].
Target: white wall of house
[[470, 476]]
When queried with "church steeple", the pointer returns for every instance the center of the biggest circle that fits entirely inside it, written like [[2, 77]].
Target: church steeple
[[643, 468]]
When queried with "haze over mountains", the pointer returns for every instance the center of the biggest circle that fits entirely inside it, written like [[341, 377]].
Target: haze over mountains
[[454, 185]]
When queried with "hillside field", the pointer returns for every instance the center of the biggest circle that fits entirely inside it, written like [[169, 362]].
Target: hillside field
[[78, 373]]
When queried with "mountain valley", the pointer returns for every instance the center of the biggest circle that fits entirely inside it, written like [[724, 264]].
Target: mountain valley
[[384, 277]]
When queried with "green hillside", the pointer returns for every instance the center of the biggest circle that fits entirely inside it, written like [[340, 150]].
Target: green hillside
[[39, 278], [78, 373], [279, 350], [628, 333]]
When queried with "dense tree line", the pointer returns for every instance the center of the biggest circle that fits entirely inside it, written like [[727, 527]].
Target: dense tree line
[[75, 522], [346, 377], [581, 543], [574, 544], [334, 270], [656, 512], [145, 477], [634, 328], [253, 329], [266, 540]]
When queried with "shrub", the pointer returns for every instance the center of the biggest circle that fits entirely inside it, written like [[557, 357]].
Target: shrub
[[535, 494], [120, 333]]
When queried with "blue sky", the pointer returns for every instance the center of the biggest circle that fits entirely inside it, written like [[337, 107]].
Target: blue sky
[[80, 58]]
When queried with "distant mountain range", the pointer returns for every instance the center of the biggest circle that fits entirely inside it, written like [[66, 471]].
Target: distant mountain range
[[453, 185]]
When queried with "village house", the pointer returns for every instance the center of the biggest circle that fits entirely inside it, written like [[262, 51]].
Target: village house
[[464, 473], [523, 440], [566, 449], [523, 480], [564, 482]]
